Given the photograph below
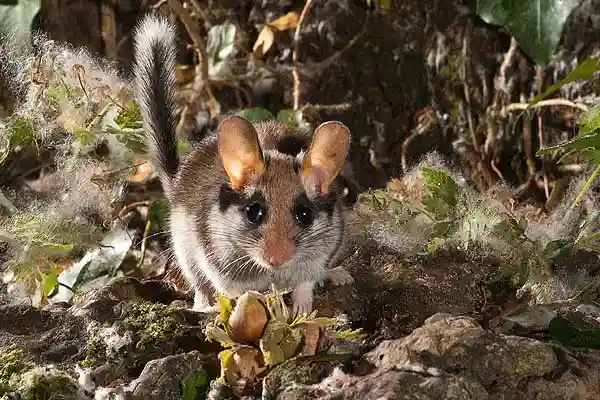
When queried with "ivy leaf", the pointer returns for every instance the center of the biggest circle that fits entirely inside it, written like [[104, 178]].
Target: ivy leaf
[[536, 25], [255, 114], [584, 71], [564, 331]]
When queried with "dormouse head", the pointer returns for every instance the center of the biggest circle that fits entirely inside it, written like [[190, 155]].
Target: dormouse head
[[282, 210]]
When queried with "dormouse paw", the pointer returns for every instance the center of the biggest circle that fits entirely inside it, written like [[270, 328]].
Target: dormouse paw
[[338, 276], [202, 305], [302, 299], [207, 309]]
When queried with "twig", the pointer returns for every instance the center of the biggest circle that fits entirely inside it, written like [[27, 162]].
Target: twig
[[541, 140], [465, 72], [325, 107], [158, 4], [201, 80], [295, 73], [144, 244], [496, 170], [132, 206], [528, 146], [539, 78], [544, 103], [405, 144], [506, 64]]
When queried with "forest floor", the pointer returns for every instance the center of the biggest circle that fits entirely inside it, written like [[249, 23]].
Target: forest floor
[[475, 271]]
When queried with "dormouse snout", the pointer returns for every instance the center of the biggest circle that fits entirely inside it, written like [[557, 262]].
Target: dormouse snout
[[278, 249]]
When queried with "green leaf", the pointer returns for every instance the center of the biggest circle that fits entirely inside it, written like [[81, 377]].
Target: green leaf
[[588, 145], [510, 230], [21, 130], [194, 385], [255, 114], [437, 207], [558, 250], [49, 281], [565, 332], [590, 121], [441, 185], [16, 19], [158, 213], [287, 116], [130, 116], [536, 25], [584, 71], [97, 264]]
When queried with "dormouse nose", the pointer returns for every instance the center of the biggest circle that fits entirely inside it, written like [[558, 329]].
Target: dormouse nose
[[278, 249]]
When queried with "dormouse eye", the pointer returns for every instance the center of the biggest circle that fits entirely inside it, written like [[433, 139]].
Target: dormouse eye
[[255, 213], [303, 214]]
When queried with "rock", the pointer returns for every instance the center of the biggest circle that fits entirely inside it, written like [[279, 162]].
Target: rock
[[167, 377], [453, 357], [113, 332]]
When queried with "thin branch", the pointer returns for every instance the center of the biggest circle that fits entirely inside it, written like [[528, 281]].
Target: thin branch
[[466, 59], [325, 107], [509, 59], [544, 103], [295, 73], [195, 35], [201, 80]]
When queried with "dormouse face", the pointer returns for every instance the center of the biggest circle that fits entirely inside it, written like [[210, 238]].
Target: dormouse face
[[278, 210]]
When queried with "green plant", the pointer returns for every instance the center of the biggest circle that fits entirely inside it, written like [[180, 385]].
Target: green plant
[[536, 25]]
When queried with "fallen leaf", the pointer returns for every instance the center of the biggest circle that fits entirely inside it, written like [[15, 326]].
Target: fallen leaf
[[285, 22], [264, 41]]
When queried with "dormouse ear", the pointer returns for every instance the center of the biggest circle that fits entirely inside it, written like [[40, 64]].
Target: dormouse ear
[[240, 151], [326, 156]]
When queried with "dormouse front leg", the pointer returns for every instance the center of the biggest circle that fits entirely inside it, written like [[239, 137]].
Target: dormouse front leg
[[302, 299]]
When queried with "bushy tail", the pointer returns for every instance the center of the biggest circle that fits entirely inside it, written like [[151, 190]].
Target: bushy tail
[[154, 72]]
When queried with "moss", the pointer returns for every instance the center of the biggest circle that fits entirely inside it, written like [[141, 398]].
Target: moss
[[46, 383], [11, 364], [153, 323], [95, 352]]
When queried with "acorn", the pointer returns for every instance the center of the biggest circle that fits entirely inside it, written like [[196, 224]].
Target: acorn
[[242, 367], [311, 332], [248, 318]]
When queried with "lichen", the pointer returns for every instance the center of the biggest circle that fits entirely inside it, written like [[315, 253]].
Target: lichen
[[151, 322], [150, 326], [95, 352], [11, 364], [46, 383]]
